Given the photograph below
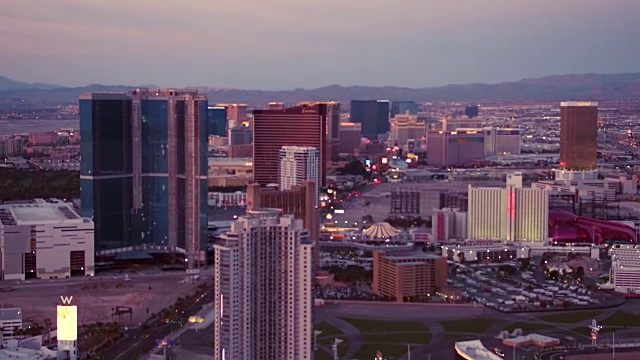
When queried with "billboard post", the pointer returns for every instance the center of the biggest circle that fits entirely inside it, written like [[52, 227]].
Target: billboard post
[[67, 329]]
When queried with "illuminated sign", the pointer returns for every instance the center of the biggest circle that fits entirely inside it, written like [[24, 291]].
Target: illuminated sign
[[579, 103], [67, 316]]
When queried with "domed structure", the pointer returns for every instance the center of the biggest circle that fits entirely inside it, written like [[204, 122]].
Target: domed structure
[[398, 164], [379, 231]]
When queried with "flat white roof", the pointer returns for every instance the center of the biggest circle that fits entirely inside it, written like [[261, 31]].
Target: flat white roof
[[474, 350], [10, 314], [38, 214], [230, 161], [532, 338]]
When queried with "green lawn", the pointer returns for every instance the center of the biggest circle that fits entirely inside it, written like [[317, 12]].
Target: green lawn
[[622, 319], [321, 355], [422, 337], [478, 326], [527, 327], [375, 326], [390, 352], [570, 317], [459, 336]]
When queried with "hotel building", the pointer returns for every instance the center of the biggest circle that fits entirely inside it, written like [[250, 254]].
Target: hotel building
[[407, 132], [307, 124], [299, 201], [508, 214], [263, 289], [578, 140], [372, 114], [144, 169], [350, 138], [298, 164], [408, 277], [625, 269]]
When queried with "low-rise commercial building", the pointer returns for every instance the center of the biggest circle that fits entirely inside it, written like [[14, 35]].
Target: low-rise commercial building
[[44, 239], [220, 199], [228, 172], [625, 269], [487, 252], [408, 277], [10, 320]]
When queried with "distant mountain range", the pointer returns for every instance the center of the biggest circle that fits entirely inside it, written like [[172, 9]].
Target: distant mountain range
[[10, 84], [549, 88]]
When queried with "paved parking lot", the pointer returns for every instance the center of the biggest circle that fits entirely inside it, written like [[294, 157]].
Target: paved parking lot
[[523, 291]]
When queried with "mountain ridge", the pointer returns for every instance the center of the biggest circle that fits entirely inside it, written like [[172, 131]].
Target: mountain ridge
[[590, 86]]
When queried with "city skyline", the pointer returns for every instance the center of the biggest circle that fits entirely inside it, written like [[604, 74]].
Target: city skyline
[[465, 42]]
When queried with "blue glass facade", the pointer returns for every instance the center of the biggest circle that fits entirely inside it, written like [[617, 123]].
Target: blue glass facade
[[372, 114], [401, 107], [108, 170], [154, 127], [216, 121]]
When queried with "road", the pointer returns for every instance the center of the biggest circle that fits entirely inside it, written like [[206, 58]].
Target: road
[[136, 343]]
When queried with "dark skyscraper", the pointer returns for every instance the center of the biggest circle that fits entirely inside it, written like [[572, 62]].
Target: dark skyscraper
[[302, 125], [471, 111], [401, 107], [372, 114], [578, 135], [144, 169], [217, 121]]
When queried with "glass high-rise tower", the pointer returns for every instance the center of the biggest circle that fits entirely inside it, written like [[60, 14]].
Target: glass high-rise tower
[[372, 114], [144, 169]]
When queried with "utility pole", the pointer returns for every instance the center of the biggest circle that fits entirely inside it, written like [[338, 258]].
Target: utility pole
[[408, 352], [334, 347], [613, 354]]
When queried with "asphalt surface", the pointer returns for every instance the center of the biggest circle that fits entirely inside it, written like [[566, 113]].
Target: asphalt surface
[[136, 343]]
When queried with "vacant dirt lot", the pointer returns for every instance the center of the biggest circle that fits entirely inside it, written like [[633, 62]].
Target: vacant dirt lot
[[96, 297]]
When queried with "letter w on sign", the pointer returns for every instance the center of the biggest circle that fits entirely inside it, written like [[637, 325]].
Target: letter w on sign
[[66, 300]]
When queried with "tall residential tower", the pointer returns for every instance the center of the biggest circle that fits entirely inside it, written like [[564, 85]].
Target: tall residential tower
[[578, 140], [263, 289], [144, 169], [372, 114], [299, 164]]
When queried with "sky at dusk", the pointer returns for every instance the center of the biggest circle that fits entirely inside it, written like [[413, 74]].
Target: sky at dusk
[[283, 44]]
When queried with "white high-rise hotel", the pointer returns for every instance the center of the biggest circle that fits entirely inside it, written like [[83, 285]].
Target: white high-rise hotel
[[263, 289], [511, 213], [298, 164]]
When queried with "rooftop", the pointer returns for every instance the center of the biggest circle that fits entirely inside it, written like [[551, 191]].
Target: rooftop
[[10, 314], [415, 256], [38, 213], [474, 349]]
